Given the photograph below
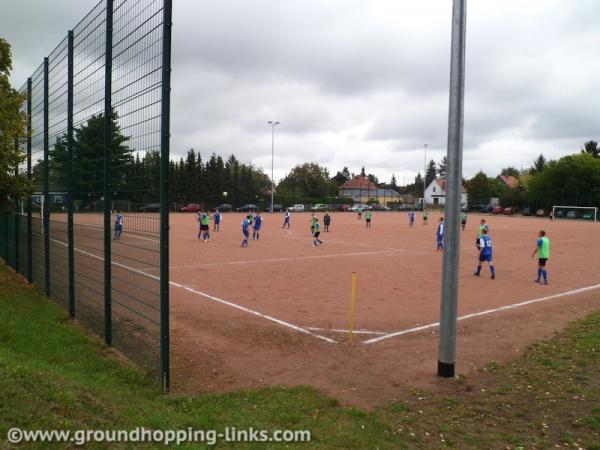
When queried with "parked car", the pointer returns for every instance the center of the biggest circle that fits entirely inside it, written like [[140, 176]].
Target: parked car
[[150, 207], [249, 207], [498, 210], [509, 211], [296, 208], [486, 209], [464, 208], [559, 213], [571, 215], [192, 207], [587, 216], [276, 208], [319, 207], [526, 212], [358, 205], [225, 207], [344, 208], [380, 208], [541, 212]]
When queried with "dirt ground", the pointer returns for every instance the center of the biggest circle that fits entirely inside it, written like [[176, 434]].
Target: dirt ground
[[276, 312]]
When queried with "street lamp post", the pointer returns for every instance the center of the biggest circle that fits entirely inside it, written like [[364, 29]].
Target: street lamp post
[[270, 122]]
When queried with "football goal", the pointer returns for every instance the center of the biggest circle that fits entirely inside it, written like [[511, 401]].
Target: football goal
[[575, 212]]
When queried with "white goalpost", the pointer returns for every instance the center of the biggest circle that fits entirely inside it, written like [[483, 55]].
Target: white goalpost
[[575, 212]]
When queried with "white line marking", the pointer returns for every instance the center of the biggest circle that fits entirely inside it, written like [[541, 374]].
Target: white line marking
[[211, 297], [483, 313], [337, 330], [252, 261]]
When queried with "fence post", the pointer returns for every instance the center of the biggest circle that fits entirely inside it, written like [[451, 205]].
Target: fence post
[[107, 181], [46, 209], [70, 249], [29, 177], [16, 218], [164, 193]]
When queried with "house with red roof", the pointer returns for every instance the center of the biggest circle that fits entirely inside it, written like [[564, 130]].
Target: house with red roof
[[361, 190], [435, 194], [509, 181]]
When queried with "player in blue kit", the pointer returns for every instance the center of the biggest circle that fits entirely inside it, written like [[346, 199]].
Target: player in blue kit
[[118, 225], [256, 225], [286, 220], [245, 231], [411, 218], [485, 253], [439, 235], [217, 220], [316, 232]]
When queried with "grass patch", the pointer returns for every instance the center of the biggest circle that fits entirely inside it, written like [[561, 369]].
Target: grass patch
[[54, 376]]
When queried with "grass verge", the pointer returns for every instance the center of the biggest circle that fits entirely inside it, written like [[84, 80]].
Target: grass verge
[[54, 376]]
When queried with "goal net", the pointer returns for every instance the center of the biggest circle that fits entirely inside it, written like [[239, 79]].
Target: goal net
[[575, 212]]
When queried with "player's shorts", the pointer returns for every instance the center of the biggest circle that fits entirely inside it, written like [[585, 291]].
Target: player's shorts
[[246, 233], [257, 228], [368, 220], [464, 222], [118, 227], [317, 234], [542, 261], [440, 238], [203, 227], [484, 258]]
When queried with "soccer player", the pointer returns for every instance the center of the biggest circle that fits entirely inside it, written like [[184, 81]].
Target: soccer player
[[542, 248], [368, 215], [316, 232], [359, 211], [286, 220], [425, 216], [217, 220], [204, 221], [118, 225], [482, 226], [439, 234], [411, 217], [463, 220], [245, 231], [256, 225], [485, 253], [326, 221]]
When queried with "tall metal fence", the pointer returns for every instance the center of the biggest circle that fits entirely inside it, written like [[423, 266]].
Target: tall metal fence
[[98, 156]]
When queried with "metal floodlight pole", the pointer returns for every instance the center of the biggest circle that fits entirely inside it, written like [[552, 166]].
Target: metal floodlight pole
[[424, 175], [450, 268], [270, 122]]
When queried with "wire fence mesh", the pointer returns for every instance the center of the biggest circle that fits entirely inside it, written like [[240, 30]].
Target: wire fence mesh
[[97, 139]]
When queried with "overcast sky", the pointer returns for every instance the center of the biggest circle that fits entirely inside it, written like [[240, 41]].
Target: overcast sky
[[357, 82]]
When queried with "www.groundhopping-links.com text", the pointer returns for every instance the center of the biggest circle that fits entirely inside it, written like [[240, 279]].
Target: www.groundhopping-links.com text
[[166, 437]]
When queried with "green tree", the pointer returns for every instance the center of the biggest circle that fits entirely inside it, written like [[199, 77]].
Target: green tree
[[479, 190], [538, 164], [443, 167], [592, 148], [572, 180], [431, 173], [341, 177], [393, 183], [510, 172], [310, 181], [88, 156], [13, 122]]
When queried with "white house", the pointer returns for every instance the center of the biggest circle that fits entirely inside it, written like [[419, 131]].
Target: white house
[[435, 194]]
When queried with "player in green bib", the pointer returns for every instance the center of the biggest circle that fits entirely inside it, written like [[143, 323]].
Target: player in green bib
[[368, 218], [425, 216], [542, 249], [463, 220]]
